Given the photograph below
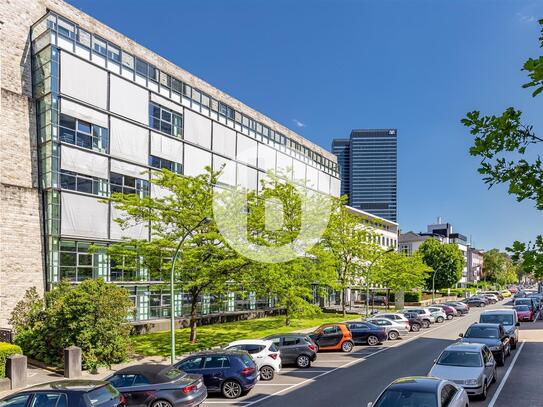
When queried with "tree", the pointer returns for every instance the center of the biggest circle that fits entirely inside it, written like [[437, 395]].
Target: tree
[[502, 143], [499, 268], [91, 315], [446, 261], [181, 216], [402, 272], [528, 258], [347, 245]]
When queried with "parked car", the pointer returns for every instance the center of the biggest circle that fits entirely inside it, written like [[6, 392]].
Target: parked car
[[425, 316], [333, 337], [525, 312], [475, 302], [146, 385], [470, 365], [414, 321], [380, 300], [491, 297], [450, 312], [491, 335], [531, 302], [394, 316], [498, 294], [229, 372], [366, 333], [438, 313], [298, 349], [422, 391], [459, 306], [507, 318], [264, 353], [519, 294], [506, 293], [393, 329], [67, 393]]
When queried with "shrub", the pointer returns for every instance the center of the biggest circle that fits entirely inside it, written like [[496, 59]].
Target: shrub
[[412, 296], [7, 350], [91, 315]]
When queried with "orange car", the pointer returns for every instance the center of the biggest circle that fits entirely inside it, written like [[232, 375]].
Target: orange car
[[333, 337]]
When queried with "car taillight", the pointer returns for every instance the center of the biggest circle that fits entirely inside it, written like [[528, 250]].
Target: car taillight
[[247, 371], [273, 356], [122, 400], [312, 347], [188, 389]]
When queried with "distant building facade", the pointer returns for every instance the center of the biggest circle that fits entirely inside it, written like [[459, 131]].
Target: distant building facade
[[368, 170]]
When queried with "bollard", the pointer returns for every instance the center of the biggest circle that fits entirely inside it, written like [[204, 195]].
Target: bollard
[[72, 362], [16, 371]]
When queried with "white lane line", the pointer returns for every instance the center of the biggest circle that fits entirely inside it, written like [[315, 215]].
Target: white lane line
[[504, 380], [273, 384], [304, 371]]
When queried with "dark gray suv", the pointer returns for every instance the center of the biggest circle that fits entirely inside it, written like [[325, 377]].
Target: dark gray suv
[[296, 349]]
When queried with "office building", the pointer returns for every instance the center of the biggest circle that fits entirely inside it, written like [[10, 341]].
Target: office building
[[368, 170], [85, 112]]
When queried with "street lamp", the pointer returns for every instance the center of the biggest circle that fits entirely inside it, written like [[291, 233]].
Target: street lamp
[[368, 277], [172, 283]]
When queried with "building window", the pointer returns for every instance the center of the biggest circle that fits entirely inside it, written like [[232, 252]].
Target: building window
[[113, 53], [124, 268], [159, 163], [99, 46], [159, 305], [66, 29], [76, 263], [83, 183], [125, 184], [128, 61], [165, 120], [83, 38], [83, 134]]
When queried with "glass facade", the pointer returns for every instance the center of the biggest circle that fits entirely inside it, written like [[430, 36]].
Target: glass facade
[[368, 170]]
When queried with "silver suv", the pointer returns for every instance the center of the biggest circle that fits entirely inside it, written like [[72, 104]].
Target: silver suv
[[425, 316]]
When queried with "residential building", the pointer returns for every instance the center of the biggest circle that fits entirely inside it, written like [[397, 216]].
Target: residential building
[[475, 262], [368, 170], [86, 111]]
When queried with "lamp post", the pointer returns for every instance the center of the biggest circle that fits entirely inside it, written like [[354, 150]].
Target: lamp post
[[172, 284], [368, 277]]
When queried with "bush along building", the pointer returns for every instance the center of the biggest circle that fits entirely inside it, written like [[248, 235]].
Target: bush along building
[[86, 112]]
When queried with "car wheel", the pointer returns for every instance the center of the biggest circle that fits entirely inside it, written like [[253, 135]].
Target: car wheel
[[372, 340], [426, 324], [439, 320], [485, 391], [393, 335], [450, 316], [231, 389], [513, 344], [347, 346], [161, 403], [267, 373], [303, 361], [415, 327]]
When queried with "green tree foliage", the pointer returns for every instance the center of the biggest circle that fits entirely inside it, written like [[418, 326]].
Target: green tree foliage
[[503, 144], [181, 217], [91, 315], [499, 268], [528, 257], [446, 261], [402, 272], [7, 350]]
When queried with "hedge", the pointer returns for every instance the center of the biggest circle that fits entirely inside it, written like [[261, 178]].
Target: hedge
[[7, 350], [412, 296]]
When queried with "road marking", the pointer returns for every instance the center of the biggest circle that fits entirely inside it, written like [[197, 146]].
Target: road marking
[[304, 371], [273, 384], [505, 377]]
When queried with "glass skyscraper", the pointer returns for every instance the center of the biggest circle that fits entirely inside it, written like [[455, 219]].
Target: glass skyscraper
[[368, 170]]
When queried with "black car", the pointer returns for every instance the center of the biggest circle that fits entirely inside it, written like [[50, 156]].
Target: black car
[[492, 335], [460, 307], [296, 349], [414, 321], [229, 372], [67, 393], [475, 302], [147, 385], [366, 332]]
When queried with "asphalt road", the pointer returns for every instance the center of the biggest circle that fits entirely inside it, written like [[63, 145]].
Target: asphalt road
[[354, 379]]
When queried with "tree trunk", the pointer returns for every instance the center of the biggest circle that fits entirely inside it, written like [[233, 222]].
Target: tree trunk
[[287, 316], [193, 318], [344, 302]]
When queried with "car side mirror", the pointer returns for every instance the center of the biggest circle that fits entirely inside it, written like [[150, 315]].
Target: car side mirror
[[370, 404], [517, 324], [461, 335]]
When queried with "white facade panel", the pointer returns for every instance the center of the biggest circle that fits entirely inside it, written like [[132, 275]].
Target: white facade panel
[[324, 182], [298, 171], [284, 165], [121, 167], [312, 176], [166, 103], [247, 151], [197, 129], [335, 187], [129, 141], [129, 100], [247, 177], [82, 162], [266, 158], [83, 216], [224, 140], [84, 113], [196, 160], [92, 90], [134, 231], [228, 174], [166, 147]]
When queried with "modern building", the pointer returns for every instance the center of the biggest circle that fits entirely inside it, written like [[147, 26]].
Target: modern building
[[475, 262], [85, 112], [368, 170]]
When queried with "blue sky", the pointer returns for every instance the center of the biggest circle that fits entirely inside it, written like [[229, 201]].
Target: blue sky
[[325, 67]]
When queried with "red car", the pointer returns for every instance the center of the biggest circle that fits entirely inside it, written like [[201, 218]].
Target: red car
[[525, 312]]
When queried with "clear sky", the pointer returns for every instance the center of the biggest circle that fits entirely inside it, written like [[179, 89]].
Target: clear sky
[[325, 67]]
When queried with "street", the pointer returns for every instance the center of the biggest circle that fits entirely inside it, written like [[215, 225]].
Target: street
[[356, 378]]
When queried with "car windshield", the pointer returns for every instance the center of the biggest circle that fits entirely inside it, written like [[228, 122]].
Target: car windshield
[[460, 358], [504, 319], [102, 395], [406, 398], [482, 332], [522, 308]]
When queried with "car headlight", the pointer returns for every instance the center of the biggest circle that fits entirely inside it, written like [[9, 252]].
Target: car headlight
[[471, 382]]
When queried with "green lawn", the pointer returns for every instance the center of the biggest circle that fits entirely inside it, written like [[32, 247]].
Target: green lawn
[[158, 343]]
